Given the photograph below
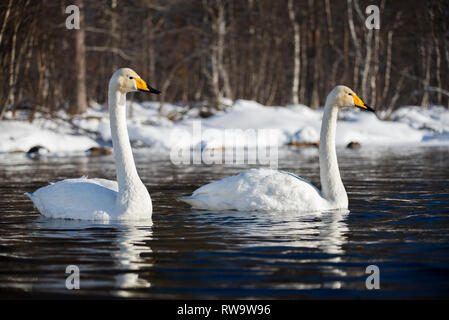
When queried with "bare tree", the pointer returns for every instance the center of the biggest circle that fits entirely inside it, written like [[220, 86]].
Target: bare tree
[[80, 63], [296, 52], [274, 52]]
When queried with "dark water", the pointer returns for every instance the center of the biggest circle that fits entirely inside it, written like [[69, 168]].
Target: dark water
[[398, 221]]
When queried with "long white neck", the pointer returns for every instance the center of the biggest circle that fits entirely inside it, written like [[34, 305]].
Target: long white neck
[[332, 187], [127, 176]]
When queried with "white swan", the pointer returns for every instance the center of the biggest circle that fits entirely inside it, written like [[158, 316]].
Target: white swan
[[265, 189], [100, 199]]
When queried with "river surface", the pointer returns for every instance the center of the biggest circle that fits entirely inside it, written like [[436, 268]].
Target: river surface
[[398, 220]]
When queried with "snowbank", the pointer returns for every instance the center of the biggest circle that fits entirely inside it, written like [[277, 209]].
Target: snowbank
[[20, 136], [433, 120], [246, 123]]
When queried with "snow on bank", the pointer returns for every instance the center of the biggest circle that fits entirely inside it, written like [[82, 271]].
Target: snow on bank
[[261, 124], [433, 120], [20, 136]]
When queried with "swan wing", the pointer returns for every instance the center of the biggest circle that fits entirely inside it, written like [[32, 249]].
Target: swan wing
[[258, 190], [87, 199]]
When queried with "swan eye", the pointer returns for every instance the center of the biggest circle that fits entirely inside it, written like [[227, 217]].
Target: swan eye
[[130, 77], [350, 93]]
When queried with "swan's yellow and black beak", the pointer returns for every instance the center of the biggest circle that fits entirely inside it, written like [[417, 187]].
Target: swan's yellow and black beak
[[143, 86], [360, 104]]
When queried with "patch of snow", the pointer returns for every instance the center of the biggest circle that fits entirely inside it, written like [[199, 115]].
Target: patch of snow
[[307, 135], [435, 118], [21, 136], [293, 123]]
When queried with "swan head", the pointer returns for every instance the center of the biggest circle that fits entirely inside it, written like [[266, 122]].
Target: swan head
[[127, 80], [343, 96]]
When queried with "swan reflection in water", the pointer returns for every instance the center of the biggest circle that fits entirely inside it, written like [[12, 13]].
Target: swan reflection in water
[[324, 230], [104, 252], [132, 243], [118, 258], [315, 239]]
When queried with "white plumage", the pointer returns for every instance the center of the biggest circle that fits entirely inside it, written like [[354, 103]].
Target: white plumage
[[101, 199], [62, 199], [271, 190], [259, 189]]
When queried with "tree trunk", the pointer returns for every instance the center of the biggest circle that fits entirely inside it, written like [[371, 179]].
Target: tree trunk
[[221, 26], [355, 42], [375, 68], [303, 74], [315, 103], [437, 68], [113, 31], [80, 64], [387, 68], [330, 29], [151, 54], [296, 52], [446, 55], [5, 20], [367, 62], [426, 54]]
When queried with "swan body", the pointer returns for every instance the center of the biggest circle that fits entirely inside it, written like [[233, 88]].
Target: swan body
[[101, 199], [274, 190], [259, 189]]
